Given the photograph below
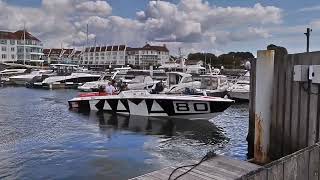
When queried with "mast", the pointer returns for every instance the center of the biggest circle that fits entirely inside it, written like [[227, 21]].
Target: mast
[[24, 43]]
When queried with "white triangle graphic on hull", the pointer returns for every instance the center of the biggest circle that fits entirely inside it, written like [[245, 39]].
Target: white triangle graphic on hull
[[93, 104], [106, 106], [156, 107], [121, 106]]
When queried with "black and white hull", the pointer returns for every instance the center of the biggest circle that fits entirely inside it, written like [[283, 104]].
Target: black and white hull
[[141, 103]]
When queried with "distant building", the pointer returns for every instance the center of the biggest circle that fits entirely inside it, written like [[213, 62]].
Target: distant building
[[148, 55], [104, 55], [14, 49], [54, 56], [194, 62]]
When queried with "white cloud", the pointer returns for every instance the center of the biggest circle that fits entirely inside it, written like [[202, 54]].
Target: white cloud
[[308, 9], [94, 7], [195, 24]]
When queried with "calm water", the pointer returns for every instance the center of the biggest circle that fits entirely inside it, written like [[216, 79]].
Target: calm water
[[40, 138]]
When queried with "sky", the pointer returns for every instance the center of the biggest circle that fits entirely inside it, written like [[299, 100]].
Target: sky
[[215, 26]]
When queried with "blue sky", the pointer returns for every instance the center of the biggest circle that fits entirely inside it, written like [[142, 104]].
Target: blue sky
[[287, 30]]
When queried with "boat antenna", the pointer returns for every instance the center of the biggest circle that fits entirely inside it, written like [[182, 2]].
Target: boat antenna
[[87, 35]]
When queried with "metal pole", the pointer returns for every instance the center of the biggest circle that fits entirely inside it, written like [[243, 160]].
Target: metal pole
[[308, 37]]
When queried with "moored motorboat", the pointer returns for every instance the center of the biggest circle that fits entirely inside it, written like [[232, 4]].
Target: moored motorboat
[[142, 103], [24, 79], [7, 73], [241, 89]]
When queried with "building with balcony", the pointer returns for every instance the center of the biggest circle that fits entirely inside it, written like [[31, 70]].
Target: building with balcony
[[20, 47], [148, 55], [56, 56], [104, 56]]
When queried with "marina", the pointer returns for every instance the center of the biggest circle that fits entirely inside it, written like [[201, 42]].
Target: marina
[[159, 90], [36, 139]]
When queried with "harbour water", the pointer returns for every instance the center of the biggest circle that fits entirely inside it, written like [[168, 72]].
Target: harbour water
[[40, 138]]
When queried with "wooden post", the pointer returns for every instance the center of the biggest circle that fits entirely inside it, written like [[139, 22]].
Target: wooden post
[[250, 136], [263, 102]]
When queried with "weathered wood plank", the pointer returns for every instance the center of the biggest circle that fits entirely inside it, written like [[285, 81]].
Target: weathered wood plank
[[288, 106], [290, 169], [313, 115], [281, 104], [295, 101], [217, 168], [303, 165], [275, 172], [262, 175], [250, 136], [304, 107], [274, 135], [314, 163]]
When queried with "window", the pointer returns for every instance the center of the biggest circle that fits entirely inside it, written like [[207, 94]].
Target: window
[[12, 49], [12, 42], [12, 56], [2, 41], [3, 48], [4, 56]]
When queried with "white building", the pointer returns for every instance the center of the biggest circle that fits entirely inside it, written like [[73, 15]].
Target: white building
[[104, 55], [14, 49], [148, 55], [57, 56]]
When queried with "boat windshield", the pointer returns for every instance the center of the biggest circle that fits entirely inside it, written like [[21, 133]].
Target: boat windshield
[[187, 80]]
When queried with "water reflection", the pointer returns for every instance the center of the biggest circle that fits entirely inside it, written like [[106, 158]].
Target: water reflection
[[204, 132]]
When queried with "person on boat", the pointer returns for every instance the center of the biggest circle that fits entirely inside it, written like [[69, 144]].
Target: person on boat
[[110, 88]]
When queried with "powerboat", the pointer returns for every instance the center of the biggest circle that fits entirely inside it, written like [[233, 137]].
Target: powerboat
[[24, 79], [141, 82], [213, 85], [71, 81], [142, 103], [95, 85], [7, 73], [241, 89], [177, 83]]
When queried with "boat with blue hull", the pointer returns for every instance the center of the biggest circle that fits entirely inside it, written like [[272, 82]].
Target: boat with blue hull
[[142, 103]]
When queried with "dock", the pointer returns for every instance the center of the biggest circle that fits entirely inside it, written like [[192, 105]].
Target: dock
[[216, 168], [284, 123]]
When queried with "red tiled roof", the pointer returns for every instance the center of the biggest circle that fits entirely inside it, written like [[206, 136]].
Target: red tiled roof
[[67, 51], [122, 47], [46, 51], [77, 52], [55, 51], [149, 47], [18, 35]]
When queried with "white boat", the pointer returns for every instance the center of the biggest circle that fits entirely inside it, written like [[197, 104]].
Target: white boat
[[241, 89], [23, 79], [213, 85], [7, 73], [142, 103], [95, 85], [71, 81], [177, 83], [141, 82]]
